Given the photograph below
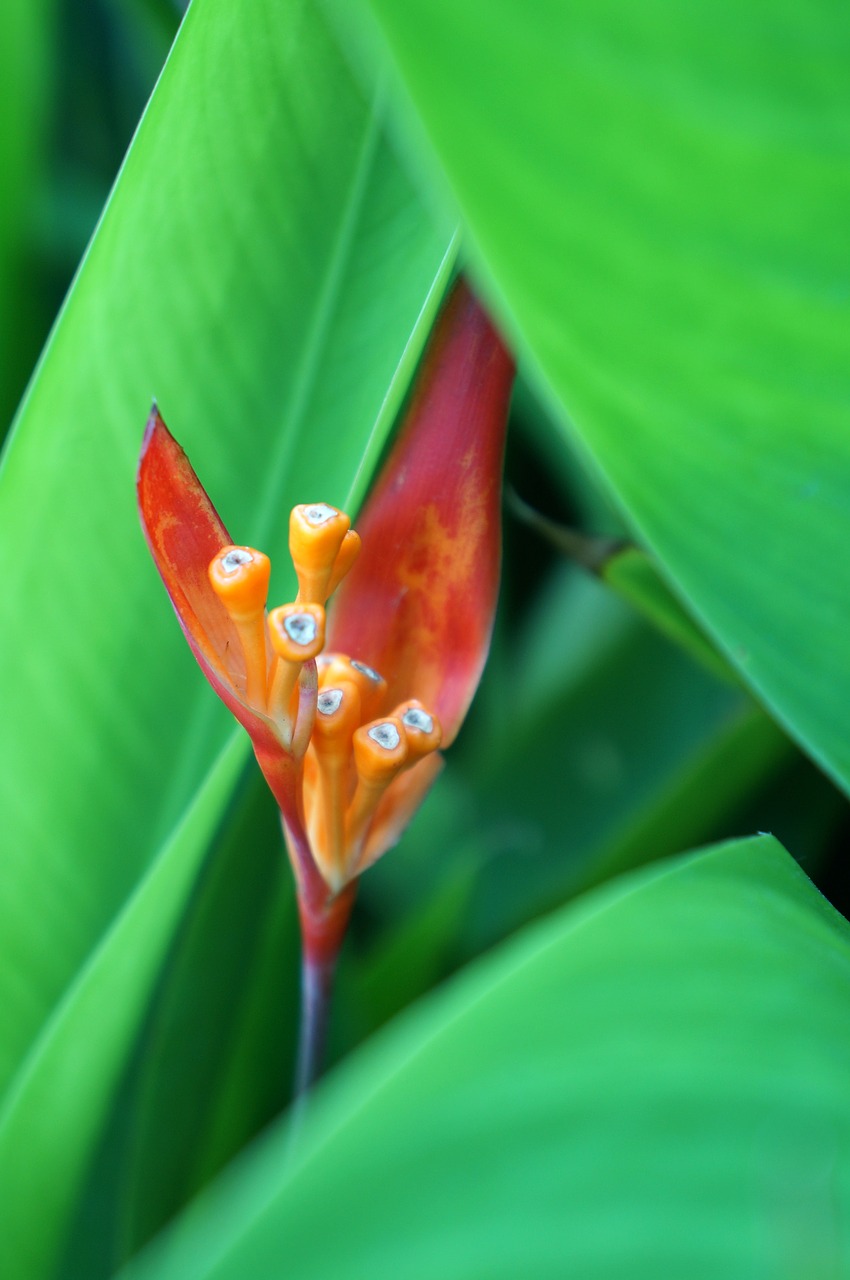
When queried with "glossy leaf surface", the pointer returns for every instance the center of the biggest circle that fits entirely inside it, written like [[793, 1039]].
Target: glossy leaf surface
[[660, 196], [653, 1081], [228, 984]]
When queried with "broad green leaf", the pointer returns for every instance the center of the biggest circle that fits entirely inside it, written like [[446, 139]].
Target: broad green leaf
[[659, 196], [260, 268], [51, 1118], [587, 778], [745, 754], [651, 1083], [485, 860]]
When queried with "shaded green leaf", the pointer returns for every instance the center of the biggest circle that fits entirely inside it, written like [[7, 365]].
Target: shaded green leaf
[[630, 572], [659, 196]]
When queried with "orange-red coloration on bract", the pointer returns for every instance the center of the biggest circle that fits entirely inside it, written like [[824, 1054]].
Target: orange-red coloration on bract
[[418, 607], [419, 604]]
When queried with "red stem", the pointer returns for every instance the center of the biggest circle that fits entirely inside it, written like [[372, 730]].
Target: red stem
[[324, 918], [316, 993]]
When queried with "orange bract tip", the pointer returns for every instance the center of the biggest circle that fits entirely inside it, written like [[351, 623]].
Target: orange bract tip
[[332, 667], [422, 730], [347, 554], [316, 535], [371, 684], [240, 578], [297, 631], [337, 715], [380, 750]]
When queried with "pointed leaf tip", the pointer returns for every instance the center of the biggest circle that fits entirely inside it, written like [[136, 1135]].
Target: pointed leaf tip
[[184, 533], [153, 424]]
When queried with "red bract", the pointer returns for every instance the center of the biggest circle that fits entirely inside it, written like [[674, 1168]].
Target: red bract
[[348, 752], [420, 602], [185, 534]]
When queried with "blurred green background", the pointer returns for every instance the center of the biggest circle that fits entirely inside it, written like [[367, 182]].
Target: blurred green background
[[76, 75]]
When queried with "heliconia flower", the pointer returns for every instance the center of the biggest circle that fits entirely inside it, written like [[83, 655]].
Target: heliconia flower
[[420, 602], [348, 738]]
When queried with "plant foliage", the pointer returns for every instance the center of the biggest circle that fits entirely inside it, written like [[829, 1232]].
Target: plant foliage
[[648, 1077]]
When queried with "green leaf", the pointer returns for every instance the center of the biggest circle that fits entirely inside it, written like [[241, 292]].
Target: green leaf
[[261, 267], [651, 1083], [51, 1118], [658, 196]]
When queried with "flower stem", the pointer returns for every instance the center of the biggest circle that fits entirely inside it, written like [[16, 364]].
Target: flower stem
[[324, 921], [316, 991], [324, 917]]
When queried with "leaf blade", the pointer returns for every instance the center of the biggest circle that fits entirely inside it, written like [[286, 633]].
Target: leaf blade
[[656, 198]]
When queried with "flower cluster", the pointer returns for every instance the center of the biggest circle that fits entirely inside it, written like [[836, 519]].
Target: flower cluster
[[346, 712], [354, 746]]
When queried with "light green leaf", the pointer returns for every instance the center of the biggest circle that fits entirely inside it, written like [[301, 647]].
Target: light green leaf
[[659, 195], [651, 1083], [260, 268]]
